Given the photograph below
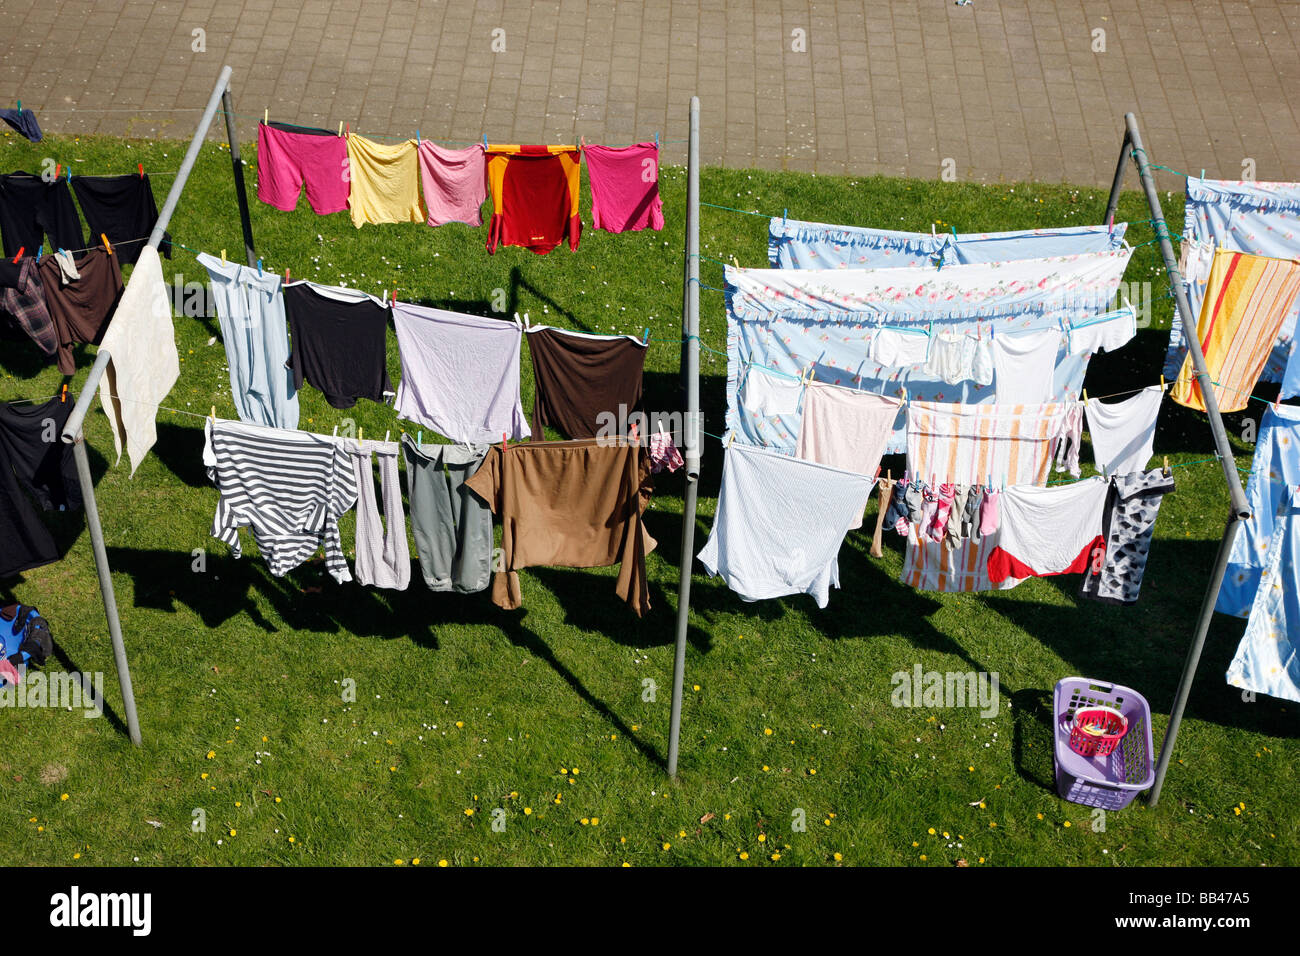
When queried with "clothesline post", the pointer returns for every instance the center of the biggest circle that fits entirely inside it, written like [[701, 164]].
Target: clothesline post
[[1240, 509], [241, 194], [74, 435], [690, 425]]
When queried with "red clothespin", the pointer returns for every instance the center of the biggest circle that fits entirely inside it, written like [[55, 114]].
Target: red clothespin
[[21, 250], [140, 166], [394, 297], [58, 168], [286, 273]]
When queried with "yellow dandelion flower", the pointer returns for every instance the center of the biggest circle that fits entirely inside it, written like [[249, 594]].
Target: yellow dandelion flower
[[232, 832], [460, 723], [767, 731], [744, 855], [1067, 823], [203, 776], [924, 857], [931, 831], [595, 821], [837, 857], [238, 804], [584, 821], [442, 862], [776, 856], [65, 796], [627, 864], [762, 838], [415, 862], [211, 754], [528, 811], [277, 799], [469, 811], [76, 856], [668, 846]]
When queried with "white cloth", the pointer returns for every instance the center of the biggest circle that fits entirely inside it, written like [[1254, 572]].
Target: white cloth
[[460, 373], [383, 557], [899, 348], [1123, 433], [960, 357], [779, 524], [1025, 363], [769, 394], [846, 429], [1047, 530], [1104, 334], [1070, 441], [67, 267], [144, 363]]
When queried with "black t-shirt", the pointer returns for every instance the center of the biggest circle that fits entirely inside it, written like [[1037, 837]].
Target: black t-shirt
[[338, 346], [32, 437]]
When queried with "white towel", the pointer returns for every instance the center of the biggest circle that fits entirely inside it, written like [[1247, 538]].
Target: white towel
[[144, 363]]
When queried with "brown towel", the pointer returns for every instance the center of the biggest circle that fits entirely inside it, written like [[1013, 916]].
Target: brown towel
[[577, 377], [574, 504]]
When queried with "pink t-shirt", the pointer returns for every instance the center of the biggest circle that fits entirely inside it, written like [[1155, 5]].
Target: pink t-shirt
[[624, 187], [454, 182]]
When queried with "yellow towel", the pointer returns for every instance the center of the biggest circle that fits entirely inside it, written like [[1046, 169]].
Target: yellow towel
[[1246, 300], [385, 181]]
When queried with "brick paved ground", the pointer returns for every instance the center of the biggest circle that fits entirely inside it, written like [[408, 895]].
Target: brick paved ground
[[1007, 90]]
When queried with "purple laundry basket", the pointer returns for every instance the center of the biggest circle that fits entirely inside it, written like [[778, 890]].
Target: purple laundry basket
[[1110, 782]]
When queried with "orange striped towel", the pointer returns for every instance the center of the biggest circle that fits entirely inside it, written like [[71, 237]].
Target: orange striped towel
[[1246, 299], [974, 444]]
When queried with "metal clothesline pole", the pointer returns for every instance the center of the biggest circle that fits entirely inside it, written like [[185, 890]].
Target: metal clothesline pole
[[74, 434], [241, 194], [691, 426], [1240, 509]]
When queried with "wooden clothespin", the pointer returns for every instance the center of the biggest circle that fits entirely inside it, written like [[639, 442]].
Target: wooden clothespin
[[1162, 383], [140, 167], [336, 431], [387, 434], [734, 262], [266, 115], [107, 245], [213, 414], [1085, 396], [1166, 472], [732, 440], [223, 257], [361, 434], [340, 129], [889, 474]]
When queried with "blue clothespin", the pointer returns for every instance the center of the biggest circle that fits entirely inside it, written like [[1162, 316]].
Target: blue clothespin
[[39, 250], [785, 214], [646, 339], [417, 137], [68, 170], [419, 437], [485, 140], [259, 267], [656, 140]]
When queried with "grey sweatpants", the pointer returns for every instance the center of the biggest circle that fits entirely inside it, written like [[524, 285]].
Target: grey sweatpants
[[452, 526]]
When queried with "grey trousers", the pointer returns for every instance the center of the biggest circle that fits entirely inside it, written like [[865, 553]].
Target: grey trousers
[[452, 526], [383, 558]]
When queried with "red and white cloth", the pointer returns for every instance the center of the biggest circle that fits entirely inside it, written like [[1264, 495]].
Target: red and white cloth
[[1045, 531]]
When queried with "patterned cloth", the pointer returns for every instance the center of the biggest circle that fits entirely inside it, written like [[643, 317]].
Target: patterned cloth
[[1246, 300], [1274, 469], [1268, 659], [23, 297], [1254, 217], [972, 444], [1128, 523]]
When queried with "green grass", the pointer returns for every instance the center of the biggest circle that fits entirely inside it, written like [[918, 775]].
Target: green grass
[[461, 706]]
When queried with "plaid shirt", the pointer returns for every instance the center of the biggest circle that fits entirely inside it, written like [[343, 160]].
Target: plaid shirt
[[23, 298]]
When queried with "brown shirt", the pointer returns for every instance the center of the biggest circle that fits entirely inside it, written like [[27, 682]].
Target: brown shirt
[[578, 376], [81, 309], [574, 504]]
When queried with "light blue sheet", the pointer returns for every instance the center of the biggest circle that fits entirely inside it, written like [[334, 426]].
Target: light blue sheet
[[786, 329], [1274, 469], [1259, 218], [795, 244]]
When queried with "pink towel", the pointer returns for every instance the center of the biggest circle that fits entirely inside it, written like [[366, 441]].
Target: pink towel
[[625, 187], [454, 182]]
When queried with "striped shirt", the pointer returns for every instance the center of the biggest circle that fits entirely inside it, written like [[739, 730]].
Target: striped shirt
[[289, 487]]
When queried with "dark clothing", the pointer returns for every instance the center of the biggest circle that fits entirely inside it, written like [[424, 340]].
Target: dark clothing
[[25, 122], [340, 347], [578, 377], [32, 438], [31, 208], [81, 309], [122, 208], [22, 303], [25, 542]]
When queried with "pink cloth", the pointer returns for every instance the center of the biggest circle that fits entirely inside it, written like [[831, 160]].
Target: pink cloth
[[286, 160], [845, 429], [947, 495], [9, 674], [454, 182], [624, 187], [989, 512]]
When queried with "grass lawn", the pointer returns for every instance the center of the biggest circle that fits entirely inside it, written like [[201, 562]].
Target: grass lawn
[[556, 715]]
